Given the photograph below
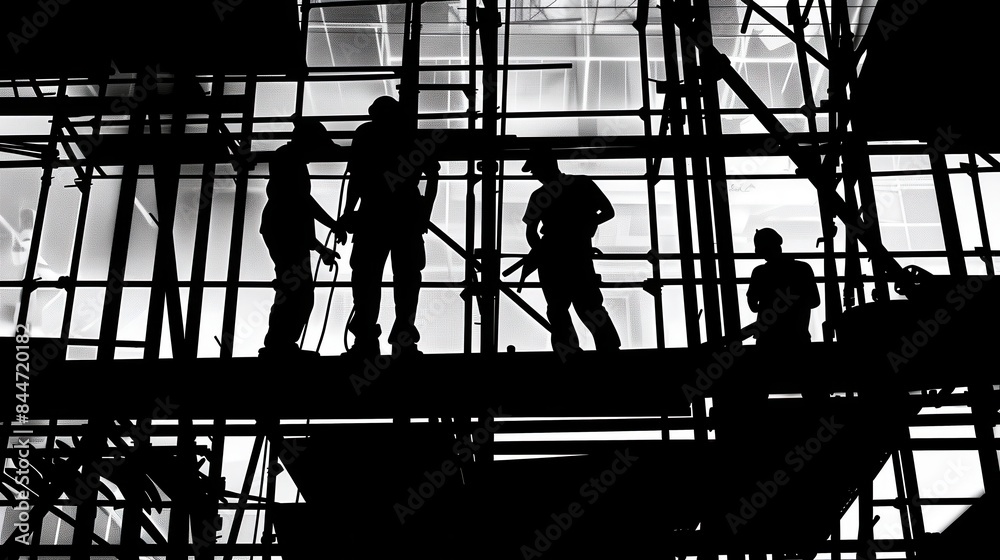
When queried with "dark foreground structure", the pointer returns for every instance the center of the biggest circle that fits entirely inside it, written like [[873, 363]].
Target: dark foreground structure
[[143, 425]]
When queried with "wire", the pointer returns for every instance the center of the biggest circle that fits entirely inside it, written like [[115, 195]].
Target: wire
[[336, 273], [302, 339], [350, 317], [329, 302]]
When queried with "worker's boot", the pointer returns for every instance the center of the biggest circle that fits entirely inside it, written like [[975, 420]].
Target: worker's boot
[[286, 352], [405, 350], [404, 337], [365, 345]]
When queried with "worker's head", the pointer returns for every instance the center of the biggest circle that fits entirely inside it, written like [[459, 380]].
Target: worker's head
[[767, 243], [311, 137], [385, 109], [542, 164]]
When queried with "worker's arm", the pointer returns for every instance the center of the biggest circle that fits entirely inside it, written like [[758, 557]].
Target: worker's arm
[[353, 195], [810, 292], [320, 215], [605, 211], [532, 218], [531, 233], [348, 219], [431, 190], [355, 166], [753, 299], [326, 254], [600, 206]]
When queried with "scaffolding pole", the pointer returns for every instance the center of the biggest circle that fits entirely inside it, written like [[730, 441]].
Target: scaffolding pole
[[120, 242], [652, 169], [673, 115], [720, 188]]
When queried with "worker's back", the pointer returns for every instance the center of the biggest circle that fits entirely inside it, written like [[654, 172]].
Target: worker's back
[[566, 209], [786, 289], [285, 225]]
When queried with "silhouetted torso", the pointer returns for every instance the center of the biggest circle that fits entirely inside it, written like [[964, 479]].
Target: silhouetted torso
[[289, 233], [386, 168], [786, 292], [285, 226], [565, 211], [381, 164]]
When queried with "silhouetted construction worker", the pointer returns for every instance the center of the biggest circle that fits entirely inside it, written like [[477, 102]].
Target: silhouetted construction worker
[[782, 292], [287, 225], [386, 165], [568, 208]]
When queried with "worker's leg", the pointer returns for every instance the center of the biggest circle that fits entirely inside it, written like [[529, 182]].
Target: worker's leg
[[555, 287], [367, 264], [589, 305], [408, 260], [303, 301], [293, 300]]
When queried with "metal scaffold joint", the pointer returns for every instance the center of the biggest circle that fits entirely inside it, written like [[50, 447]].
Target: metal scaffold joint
[[652, 286]]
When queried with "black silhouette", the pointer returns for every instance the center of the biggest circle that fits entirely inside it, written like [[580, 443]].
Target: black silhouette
[[568, 208], [782, 292], [288, 231], [111, 126], [385, 167]]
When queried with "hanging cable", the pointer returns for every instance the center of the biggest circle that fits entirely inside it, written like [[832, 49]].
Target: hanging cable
[[350, 316], [336, 274], [302, 339], [329, 303]]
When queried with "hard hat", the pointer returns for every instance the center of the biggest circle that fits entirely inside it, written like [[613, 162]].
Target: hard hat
[[384, 106], [309, 129], [539, 158], [767, 237]]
